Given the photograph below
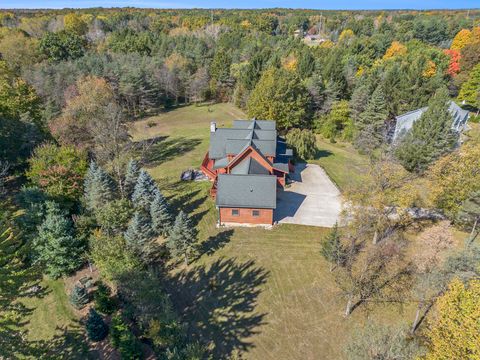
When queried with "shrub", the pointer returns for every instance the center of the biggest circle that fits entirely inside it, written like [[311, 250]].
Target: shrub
[[303, 143], [96, 328], [79, 297], [103, 301]]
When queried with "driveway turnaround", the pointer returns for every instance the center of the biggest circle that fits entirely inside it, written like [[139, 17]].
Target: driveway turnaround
[[312, 198]]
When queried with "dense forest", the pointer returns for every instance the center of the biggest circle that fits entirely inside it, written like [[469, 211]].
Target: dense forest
[[75, 193]]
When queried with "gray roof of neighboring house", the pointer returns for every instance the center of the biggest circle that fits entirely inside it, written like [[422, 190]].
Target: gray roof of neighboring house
[[260, 133], [405, 121], [247, 191]]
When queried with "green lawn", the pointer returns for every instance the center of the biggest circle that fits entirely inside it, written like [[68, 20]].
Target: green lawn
[[267, 294], [341, 161], [52, 326]]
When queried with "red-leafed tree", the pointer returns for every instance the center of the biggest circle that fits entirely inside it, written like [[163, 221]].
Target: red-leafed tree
[[454, 65]]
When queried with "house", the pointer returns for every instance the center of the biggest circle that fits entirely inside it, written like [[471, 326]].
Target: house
[[314, 39], [247, 164], [405, 122]]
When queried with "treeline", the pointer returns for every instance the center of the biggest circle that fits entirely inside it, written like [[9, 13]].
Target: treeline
[[388, 62]]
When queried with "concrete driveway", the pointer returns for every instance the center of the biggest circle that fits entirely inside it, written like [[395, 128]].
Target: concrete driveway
[[312, 198]]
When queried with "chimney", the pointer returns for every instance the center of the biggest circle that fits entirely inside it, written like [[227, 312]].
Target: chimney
[[213, 126]]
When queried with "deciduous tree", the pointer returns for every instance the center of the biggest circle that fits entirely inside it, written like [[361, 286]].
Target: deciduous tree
[[303, 143], [58, 171], [453, 333], [279, 95]]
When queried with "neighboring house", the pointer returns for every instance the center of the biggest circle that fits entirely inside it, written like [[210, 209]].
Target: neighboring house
[[246, 164], [314, 39], [405, 121]]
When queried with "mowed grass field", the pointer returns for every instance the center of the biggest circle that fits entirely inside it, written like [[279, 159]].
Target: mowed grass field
[[261, 294]]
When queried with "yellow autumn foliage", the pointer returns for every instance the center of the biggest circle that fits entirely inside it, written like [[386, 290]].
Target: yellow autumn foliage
[[455, 331], [327, 44], [463, 38], [395, 49], [346, 35], [74, 23], [430, 69], [455, 176], [290, 62]]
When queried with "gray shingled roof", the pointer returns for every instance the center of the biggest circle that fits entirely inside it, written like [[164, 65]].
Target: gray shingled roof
[[234, 140], [257, 124], [405, 121], [249, 166], [247, 191]]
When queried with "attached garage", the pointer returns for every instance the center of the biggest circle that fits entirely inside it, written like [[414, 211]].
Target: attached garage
[[246, 199]]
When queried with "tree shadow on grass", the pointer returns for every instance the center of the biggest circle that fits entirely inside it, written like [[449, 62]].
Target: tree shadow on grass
[[215, 242], [68, 343], [164, 148], [322, 153], [189, 202], [218, 303]]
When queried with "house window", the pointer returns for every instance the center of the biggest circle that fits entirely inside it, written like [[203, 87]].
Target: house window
[[235, 212], [255, 213]]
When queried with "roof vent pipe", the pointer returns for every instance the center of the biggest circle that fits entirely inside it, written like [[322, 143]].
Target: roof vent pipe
[[213, 126]]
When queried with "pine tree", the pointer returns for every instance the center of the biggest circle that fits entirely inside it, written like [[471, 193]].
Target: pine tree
[[88, 182], [332, 249], [470, 90], [371, 122], [55, 246], [431, 136], [144, 191], [131, 177], [99, 188], [182, 237], [79, 297], [139, 236], [160, 215], [96, 328], [359, 100]]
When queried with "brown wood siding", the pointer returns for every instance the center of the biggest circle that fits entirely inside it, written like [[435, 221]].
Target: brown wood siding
[[245, 216]]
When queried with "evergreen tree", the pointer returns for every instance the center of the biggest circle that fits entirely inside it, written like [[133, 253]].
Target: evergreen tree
[[131, 177], [371, 122], [430, 137], [96, 328], [123, 339], [332, 249], [144, 191], [160, 215], [99, 188], [139, 236], [182, 237], [79, 297], [359, 101], [55, 246], [103, 299], [470, 90]]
